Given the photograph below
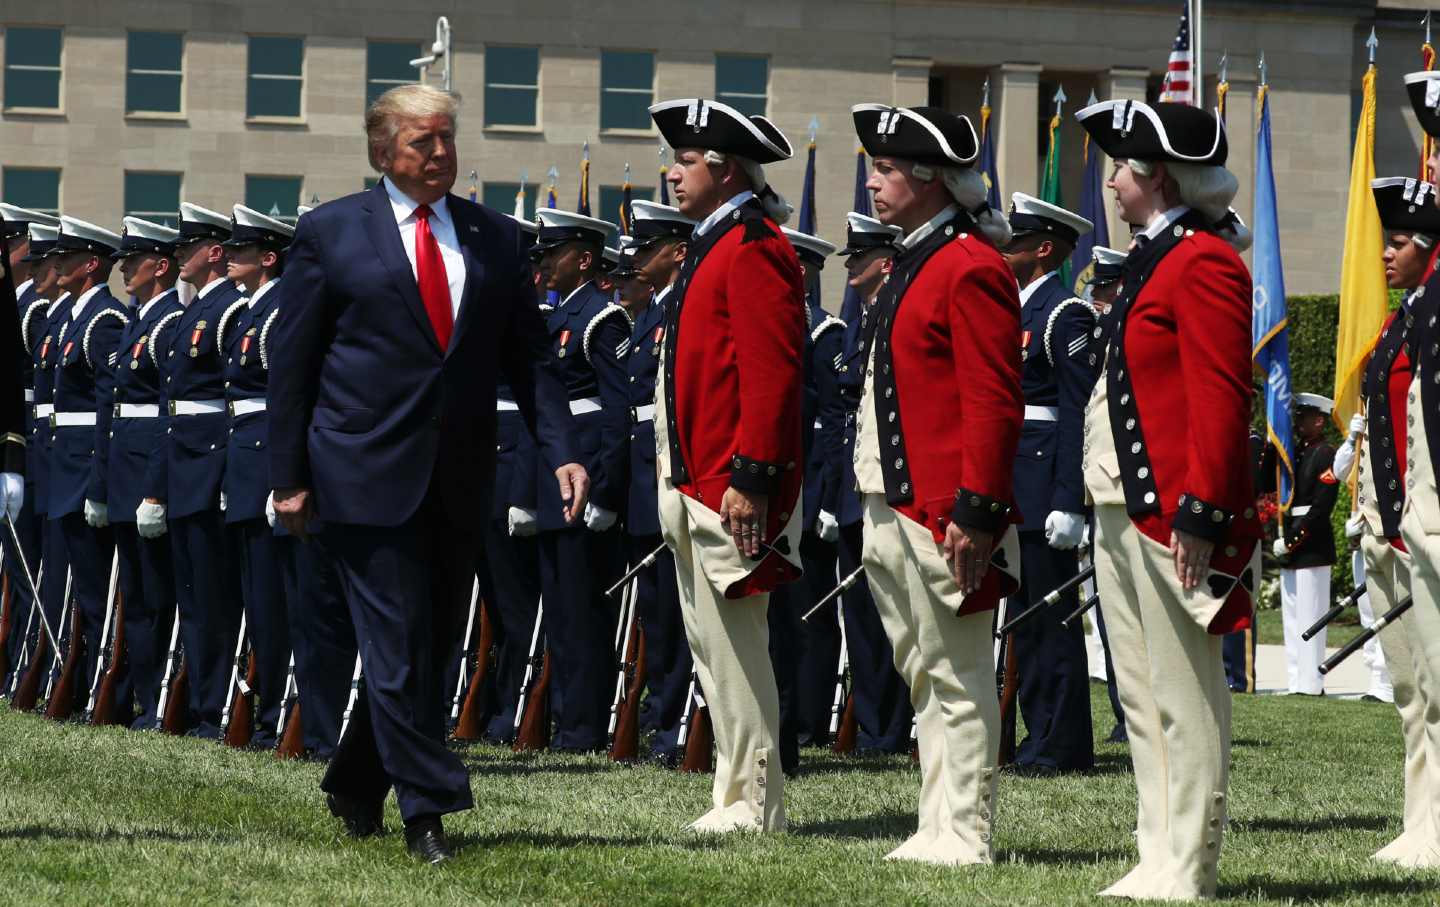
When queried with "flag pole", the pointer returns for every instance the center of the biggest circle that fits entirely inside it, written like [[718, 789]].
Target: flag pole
[[1197, 9]]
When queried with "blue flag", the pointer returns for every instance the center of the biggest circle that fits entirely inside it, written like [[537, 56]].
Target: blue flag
[[807, 218], [1092, 208], [1271, 345], [850, 307]]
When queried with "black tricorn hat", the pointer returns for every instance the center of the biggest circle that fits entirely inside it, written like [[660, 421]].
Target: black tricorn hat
[[925, 135], [1407, 205], [1156, 132], [702, 123], [1424, 90]]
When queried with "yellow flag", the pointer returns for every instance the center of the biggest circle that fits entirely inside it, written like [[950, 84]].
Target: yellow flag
[[1363, 298]]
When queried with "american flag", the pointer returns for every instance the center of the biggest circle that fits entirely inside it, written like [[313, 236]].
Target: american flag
[[1178, 86]]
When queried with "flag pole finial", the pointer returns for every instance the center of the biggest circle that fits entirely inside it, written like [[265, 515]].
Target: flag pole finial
[[524, 176], [1264, 71], [1225, 66], [1060, 98], [1093, 100], [814, 128], [553, 174], [627, 171], [1371, 43], [985, 93]]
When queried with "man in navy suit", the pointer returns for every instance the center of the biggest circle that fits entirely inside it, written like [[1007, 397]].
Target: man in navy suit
[[1057, 377], [400, 307]]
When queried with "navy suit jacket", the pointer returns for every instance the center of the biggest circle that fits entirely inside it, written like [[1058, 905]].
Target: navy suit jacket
[[365, 407]]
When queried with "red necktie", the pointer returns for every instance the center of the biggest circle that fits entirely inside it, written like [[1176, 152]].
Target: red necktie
[[430, 276]]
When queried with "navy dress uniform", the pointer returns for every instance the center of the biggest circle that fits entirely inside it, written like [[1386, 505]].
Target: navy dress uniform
[[668, 664], [590, 336], [190, 460], [805, 654], [88, 347], [128, 459], [883, 714], [31, 307], [243, 338], [1056, 378]]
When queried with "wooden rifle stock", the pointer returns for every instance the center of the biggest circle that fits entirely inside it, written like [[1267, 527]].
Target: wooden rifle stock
[[534, 733], [7, 622], [242, 709], [175, 718], [106, 708], [62, 696], [470, 726], [845, 737], [292, 742], [699, 742], [27, 694], [1008, 692], [626, 745]]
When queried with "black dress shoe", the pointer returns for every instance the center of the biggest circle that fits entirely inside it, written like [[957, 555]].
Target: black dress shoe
[[361, 821], [425, 838]]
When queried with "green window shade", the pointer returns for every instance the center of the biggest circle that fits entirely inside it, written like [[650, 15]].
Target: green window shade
[[153, 72], [32, 67], [627, 89], [275, 76]]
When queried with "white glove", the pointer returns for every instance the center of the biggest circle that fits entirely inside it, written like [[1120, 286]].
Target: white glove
[[1344, 460], [1063, 530], [598, 519], [827, 527], [97, 513], [1357, 425], [12, 494], [522, 522], [150, 520], [1085, 537], [222, 502], [1354, 526], [1280, 549], [270, 509]]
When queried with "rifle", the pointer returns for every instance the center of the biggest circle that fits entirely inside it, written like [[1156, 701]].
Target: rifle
[[1358, 643], [7, 622], [697, 738], [104, 655], [175, 716], [842, 710], [1333, 613], [107, 710], [357, 679], [835, 593], [633, 572], [1073, 616], [20, 668], [289, 732], [237, 722], [1050, 599], [61, 696], [532, 731], [1009, 681], [625, 710], [469, 701], [171, 671]]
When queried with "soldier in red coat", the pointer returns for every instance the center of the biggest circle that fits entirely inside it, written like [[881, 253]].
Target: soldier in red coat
[[938, 426], [1167, 468], [727, 438]]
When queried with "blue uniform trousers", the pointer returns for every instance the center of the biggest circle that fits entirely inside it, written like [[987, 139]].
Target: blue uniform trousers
[[1118, 733], [510, 585], [1054, 674], [147, 578], [207, 586], [668, 663], [262, 585], [322, 638], [882, 701], [576, 567], [1238, 650], [90, 552], [407, 588]]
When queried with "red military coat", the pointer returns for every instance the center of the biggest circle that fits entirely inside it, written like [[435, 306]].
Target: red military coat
[[1183, 355], [943, 361], [733, 379]]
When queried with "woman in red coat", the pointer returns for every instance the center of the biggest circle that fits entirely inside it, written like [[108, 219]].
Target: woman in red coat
[[1167, 469]]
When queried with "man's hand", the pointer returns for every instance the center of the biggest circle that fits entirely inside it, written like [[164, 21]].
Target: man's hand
[[1064, 530], [521, 522], [827, 527], [150, 518], [574, 489], [97, 514], [294, 510], [967, 551], [743, 513], [1280, 549], [12, 494], [1357, 425], [598, 519], [1192, 557]]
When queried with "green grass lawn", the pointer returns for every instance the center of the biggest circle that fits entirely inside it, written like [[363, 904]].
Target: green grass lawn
[[1340, 631], [112, 817]]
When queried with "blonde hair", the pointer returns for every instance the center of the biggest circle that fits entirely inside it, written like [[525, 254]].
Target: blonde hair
[[405, 102]]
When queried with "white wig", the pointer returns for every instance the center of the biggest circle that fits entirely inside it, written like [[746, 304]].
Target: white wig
[[967, 187], [773, 202]]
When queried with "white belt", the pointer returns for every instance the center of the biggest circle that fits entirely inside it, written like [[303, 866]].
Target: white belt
[[61, 420], [1300, 511], [644, 413], [29, 395], [506, 406], [137, 410], [196, 407], [587, 405], [44, 410], [247, 406], [1042, 413]]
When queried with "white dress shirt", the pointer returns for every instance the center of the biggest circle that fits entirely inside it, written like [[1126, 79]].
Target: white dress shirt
[[930, 226], [20, 290], [1159, 223], [151, 304], [442, 226], [264, 288], [83, 301], [722, 212], [1034, 285]]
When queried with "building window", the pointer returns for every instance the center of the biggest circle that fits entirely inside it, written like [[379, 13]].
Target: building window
[[512, 86], [32, 68], [33, 188], [276, 77], [153, 74], [276, 196], [153, 196], [627, 89], [742, 82], [501, 197], [387, 64], [611, 196]]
